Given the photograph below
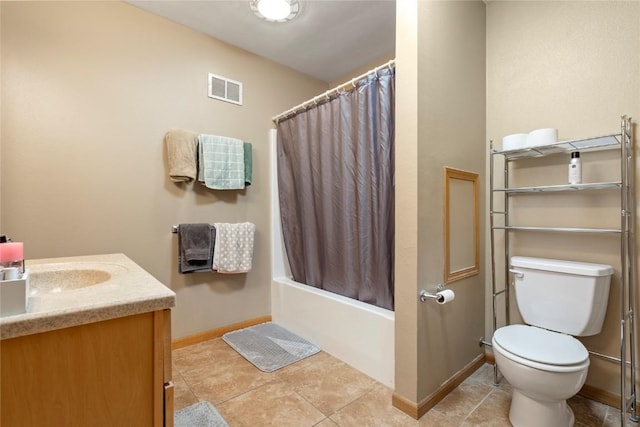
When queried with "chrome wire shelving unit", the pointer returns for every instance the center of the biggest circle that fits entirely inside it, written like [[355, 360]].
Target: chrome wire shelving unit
[[622, 142]]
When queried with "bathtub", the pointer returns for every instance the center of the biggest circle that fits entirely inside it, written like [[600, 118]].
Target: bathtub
[[359, 334]]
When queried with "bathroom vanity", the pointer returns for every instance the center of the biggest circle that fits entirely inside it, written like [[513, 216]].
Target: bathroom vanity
[[93, 348]]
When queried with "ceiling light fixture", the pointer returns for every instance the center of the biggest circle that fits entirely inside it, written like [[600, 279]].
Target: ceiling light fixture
[[275, 10]]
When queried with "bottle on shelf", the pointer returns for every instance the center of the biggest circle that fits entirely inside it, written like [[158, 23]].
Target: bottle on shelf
[[575, 168]]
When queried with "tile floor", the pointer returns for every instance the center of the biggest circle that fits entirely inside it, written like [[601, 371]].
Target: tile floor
[[322, 391]]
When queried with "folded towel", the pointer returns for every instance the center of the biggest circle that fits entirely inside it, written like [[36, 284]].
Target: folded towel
[[221, 162], [234, 247], [181, 154], [195, 245], [248, 164]]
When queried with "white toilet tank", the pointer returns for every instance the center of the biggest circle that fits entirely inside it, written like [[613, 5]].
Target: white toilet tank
[[563, 296]]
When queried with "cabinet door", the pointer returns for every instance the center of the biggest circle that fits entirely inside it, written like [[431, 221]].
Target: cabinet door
[[100, 375], [167, 372], [163, 386], [168, 404], [168, 375]]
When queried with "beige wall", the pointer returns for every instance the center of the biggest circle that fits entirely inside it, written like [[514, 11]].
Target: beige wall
[[574, 66], [406, 203], [443, 124], [89, 90]]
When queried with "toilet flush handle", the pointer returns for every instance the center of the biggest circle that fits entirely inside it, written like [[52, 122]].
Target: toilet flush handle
[[516, 273]]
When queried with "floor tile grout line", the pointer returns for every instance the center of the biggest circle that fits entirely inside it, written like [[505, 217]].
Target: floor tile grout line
[[367, 391], [247, 391], [188, 385], [476, 407], [185, 383], [293, 389]]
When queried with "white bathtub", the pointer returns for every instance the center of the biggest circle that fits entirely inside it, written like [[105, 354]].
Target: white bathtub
[[359, 334]]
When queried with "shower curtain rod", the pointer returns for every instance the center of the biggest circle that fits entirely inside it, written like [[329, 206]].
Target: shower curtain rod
[[336, 89]]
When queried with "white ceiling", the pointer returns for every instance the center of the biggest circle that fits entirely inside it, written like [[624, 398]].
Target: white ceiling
[[327, 40]]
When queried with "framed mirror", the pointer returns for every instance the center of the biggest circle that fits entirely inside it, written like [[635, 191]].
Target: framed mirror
[[461, 224]]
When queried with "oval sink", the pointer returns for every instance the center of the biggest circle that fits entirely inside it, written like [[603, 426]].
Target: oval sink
[[55, 278], [52, 281]]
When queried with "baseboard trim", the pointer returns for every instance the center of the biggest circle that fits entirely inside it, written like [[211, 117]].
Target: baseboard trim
[[602, 396], [217, 333], [418, 410], [405, 405]]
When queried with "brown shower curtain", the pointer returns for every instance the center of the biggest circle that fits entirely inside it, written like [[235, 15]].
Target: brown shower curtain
[[335, 176]]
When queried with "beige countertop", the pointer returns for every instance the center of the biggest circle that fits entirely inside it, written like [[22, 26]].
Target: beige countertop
[[128, 290]]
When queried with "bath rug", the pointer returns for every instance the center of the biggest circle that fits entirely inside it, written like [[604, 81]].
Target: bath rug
[[201, 414], [269, 346]]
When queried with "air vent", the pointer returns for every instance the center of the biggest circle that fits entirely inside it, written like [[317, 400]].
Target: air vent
[[225, 89]]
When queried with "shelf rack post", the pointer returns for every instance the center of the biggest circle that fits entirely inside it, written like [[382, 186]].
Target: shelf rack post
[[627, 294]]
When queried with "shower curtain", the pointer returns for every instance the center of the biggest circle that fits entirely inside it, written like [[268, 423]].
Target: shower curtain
[[335, 177]]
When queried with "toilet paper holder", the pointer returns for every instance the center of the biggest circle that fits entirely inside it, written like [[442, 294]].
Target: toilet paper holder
[[439, 298]]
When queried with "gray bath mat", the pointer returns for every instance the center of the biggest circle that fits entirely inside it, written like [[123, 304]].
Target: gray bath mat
[[269, 346], [201, 414]]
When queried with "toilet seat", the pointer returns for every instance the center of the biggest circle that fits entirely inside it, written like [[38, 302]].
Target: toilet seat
[[540, 348]]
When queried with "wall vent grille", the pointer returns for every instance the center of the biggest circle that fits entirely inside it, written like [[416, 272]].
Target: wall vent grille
[[225, 89]]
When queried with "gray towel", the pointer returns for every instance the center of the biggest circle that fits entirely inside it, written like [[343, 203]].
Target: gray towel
[[195, 245]]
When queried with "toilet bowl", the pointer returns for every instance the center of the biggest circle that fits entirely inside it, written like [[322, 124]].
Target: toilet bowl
[[541, 359], [545, 369]]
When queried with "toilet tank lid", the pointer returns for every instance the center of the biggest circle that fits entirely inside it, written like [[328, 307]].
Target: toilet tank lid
[[561, 266]]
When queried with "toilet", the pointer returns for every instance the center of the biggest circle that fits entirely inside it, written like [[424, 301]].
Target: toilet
[[542, 360]]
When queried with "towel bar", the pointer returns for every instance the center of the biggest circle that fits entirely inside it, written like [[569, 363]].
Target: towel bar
[[174, 229]]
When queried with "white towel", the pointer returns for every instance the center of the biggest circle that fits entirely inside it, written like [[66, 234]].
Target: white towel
[[221, 162], [233, 251]]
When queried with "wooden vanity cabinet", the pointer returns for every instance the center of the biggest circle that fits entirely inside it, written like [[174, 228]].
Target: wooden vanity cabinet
[[110, 373]]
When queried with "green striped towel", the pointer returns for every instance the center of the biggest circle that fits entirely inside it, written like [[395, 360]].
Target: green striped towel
[[221, 162]]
